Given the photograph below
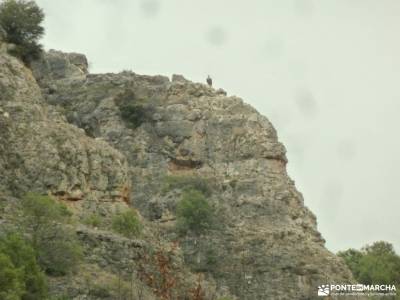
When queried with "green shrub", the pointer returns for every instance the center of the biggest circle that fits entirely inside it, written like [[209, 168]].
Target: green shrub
[[112, 289], [186, 183], [193, 213], [23, 268], [21, 21], [204, 258], [100, 291], [60, 255], [374, 264], [41, 210], [60, 297], [127, 224], [134, 113], [211, 257], [3, 34], [134, 110], [57, 249], [93, 220], [11, 280]]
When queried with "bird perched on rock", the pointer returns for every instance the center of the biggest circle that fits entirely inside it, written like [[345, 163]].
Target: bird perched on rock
[[209, 80]]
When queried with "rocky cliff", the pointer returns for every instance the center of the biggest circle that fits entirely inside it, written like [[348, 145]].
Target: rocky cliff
[[103, 142]]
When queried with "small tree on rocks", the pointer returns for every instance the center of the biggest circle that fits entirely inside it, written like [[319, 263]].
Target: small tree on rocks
[[193, 213], [21, 21]]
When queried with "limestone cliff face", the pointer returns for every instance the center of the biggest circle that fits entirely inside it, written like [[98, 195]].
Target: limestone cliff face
[[41, 152], [115, 138]]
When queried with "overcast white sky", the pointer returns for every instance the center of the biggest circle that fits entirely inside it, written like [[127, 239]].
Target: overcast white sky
[[326, 73]]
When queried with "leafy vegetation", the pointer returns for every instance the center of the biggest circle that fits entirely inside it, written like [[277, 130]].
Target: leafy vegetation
[[134, 110], [127, 224], [193, 213], [41, 244], [11, 284], [203, 257], [374, 264], [20, 274], [188, 183], [134, 113], [56, 247], [94, 220], [60, 297], [21, 21]]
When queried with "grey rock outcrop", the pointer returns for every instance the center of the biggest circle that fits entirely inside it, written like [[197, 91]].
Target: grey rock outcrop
[[270, 247], [59, 65], [41, 152], [102, 141]]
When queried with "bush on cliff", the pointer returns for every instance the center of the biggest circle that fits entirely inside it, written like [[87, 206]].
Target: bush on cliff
[[194, 213], [11, 284], [21, 21], [93, 220], [134, 110], [56, 246], [134, 113], [187, 183], [20, 274], [127, 224]]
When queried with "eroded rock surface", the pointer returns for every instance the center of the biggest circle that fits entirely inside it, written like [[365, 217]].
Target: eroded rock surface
[[41, 152], [127, 133]]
